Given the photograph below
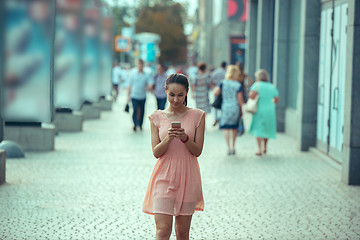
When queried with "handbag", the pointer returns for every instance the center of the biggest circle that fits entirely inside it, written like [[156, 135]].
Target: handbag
[[251, 104], [127, 107], [218, 101], [241, 128]]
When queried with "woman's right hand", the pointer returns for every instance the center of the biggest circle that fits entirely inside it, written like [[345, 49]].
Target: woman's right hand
[[171, 134]]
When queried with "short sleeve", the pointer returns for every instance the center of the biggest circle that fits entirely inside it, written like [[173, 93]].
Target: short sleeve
[[252, 88], [198, 116], [155, 118], [239, 89]]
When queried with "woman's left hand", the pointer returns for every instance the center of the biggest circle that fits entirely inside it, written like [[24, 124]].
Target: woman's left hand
[[180, 134]]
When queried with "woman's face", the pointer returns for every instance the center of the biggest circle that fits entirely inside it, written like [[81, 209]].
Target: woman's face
[[176, 94]]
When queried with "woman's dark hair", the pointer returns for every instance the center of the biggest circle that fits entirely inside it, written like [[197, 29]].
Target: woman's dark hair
[[179, 79]]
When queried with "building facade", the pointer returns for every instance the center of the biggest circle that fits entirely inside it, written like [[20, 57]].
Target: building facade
[[309, 48], [219, 31]]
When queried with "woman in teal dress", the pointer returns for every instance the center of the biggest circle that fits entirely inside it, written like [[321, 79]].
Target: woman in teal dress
[[263, 124]]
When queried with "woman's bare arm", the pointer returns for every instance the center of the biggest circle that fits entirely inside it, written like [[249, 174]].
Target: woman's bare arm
[[159, 147], [276, 100], [195, 147], [252, 94], [217, 91], [240, 98]]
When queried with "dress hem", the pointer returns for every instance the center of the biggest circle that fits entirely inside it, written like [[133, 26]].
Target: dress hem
[[189, 214]]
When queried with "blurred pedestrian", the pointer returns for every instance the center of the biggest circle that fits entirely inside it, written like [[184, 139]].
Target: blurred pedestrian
[[170, 70], [140, 82], [159, 86], [217, 77], [175, 185], [245, 80], [239, 57], [263, 124], [232, 101], [201, 87], [191, 72], [116, 77]]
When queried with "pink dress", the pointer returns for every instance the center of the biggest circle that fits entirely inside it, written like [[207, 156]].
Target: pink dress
[[175, 184]]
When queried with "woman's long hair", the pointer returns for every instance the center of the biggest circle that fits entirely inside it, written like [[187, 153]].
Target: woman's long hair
[[179, 79], [232, 72]]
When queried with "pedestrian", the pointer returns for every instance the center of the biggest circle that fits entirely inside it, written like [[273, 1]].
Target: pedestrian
[[232, 101], [263, 124], [239, 57], [159, 86], [116, 77], [217, 77], [170, 70], [245, 80], [140, 83], [201, 87], [191, 72], [175, 187]]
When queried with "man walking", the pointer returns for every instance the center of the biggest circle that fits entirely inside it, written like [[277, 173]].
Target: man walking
[[140, 82]]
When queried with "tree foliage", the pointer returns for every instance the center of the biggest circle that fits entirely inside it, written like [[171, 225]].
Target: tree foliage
[[166, 18], [120, 14]]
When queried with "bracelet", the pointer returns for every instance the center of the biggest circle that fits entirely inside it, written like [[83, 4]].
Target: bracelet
[[187, 139]]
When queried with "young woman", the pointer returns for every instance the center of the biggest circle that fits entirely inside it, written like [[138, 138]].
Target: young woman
[[232, 100], [175, 184]]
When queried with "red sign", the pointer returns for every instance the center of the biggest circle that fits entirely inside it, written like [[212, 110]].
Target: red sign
[[238, 10]]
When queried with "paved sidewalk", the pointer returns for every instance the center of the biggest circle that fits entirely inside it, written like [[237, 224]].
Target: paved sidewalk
[[92, 187]]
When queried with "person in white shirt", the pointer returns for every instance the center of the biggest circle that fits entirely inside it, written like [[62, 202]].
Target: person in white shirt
[[116, 76], [140, 82]]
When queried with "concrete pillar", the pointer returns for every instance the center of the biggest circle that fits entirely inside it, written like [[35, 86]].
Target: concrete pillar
[[2, 166], [250, 54], [351, 150], [281, 63], [2, 46], [308, 73], [265, 37]]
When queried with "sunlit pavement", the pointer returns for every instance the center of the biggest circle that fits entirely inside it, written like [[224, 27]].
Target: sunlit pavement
[[92, 187]]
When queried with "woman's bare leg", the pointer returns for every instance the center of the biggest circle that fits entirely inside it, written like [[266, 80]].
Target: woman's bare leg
[[265, 144], [163, 226], [182, 227], [234, 136], [227, 138], [258, 140]]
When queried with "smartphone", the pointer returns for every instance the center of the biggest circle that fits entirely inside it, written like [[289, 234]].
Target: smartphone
[[176, 124]]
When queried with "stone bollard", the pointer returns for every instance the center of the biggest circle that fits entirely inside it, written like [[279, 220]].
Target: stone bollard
[[106, 104], [32, 138], [91, 111], [69, 121]]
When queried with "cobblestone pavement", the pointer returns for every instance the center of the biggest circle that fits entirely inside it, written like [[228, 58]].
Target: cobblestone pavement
[[92, 187]]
